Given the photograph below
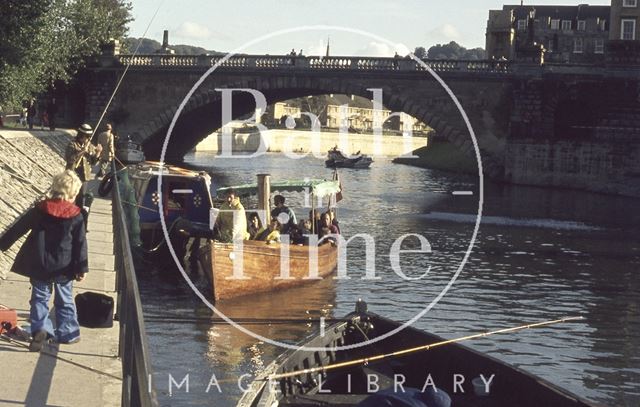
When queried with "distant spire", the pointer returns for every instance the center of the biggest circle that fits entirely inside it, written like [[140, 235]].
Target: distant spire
[[521, 3], [327, 54]]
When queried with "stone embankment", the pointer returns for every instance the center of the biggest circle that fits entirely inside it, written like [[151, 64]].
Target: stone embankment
[[279, 140], [28, 160]]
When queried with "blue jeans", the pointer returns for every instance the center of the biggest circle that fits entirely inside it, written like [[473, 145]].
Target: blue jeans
[[66, 317]]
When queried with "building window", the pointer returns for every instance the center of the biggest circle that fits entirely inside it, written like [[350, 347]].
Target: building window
[[578, 45], [522, 24], [602, 24], [629, 3], [582, 25], [566, 25], [555, 24], [628, 31], [550, 49], [599, 46]]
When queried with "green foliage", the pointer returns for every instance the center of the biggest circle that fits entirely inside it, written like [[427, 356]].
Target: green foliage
[[420, 52], [453, 50], [44, 41]]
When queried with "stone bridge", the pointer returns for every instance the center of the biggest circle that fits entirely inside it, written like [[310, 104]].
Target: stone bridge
[[503, 101]]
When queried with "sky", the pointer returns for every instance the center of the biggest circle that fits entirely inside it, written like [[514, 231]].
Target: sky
[[396, 25]]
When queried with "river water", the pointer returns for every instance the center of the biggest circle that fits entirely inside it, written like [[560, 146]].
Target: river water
[[540, 254]]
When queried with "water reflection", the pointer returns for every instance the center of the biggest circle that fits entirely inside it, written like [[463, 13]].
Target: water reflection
[[542, 254]]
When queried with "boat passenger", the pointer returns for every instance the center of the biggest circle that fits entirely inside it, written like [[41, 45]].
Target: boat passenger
[[327, 228], [283, 213], [334, 220], [314, 219], [232, 227], [271, 233], [300, 235], [255, 226]]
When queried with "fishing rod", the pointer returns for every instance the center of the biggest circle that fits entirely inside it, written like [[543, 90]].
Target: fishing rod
[[115, 90], [402, 352], [124, 73], [4, 335], [250, 321]]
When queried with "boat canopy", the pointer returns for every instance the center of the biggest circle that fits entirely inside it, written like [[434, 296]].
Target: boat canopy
[[317, 187]]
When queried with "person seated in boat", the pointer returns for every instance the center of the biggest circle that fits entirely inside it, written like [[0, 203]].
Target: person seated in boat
[[334, 220], [283, 213], [271, 233], [232, 227], [327, 228], [300, 235], [314, 220], [255, 226]]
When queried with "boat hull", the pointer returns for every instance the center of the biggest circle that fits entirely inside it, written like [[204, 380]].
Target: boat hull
[[361, 162], [261, 267], [509, 386]]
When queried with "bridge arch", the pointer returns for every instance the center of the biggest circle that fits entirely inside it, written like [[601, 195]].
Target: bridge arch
[[202, 114]]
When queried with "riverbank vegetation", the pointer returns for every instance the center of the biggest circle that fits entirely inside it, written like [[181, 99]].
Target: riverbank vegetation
[[46, 41]]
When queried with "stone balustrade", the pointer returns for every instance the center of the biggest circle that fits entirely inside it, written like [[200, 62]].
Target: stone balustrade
[[311, 63]]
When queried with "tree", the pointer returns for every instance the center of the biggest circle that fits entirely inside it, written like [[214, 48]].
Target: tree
[[44, 41], [420, 52], [453, 50]]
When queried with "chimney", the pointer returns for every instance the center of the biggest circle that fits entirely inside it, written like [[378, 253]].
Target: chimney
[[165, 39]]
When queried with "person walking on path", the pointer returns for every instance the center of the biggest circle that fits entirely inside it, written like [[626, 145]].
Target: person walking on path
[[52, 110], [105, 141], [32, 110], [80, 155], [53, 256]]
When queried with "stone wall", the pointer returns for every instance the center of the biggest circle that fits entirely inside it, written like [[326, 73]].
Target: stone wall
[[304, 141], [28, 160], [600, 166]]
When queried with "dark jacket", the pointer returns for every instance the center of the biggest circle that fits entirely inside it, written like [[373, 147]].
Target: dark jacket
[[57, 244]]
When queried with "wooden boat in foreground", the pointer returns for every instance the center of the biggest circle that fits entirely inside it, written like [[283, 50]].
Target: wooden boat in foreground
[[444, 365], [261, 261]]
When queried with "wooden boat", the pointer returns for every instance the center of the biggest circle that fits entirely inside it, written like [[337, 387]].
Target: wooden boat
[[335, 159], [348, 386], [185, 196], [262, 263]]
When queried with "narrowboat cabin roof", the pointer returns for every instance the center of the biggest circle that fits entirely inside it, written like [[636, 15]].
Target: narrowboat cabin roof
[[318, 187]]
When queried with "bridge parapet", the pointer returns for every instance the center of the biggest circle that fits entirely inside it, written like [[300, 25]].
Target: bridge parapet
[[280, 62]]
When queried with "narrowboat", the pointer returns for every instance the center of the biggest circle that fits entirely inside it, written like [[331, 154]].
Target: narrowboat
[[269, 266], [329, 377], [186, 202]]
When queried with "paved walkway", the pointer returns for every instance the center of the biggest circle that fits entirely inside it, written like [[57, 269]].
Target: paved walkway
[[84, 374]]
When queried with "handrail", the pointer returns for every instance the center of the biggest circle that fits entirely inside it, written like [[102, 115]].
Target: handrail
[[312, 63], [133, 350]]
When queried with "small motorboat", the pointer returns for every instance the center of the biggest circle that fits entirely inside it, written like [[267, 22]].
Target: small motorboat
[[262, 261], [334, 376], [129, 152], [336, 159]]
